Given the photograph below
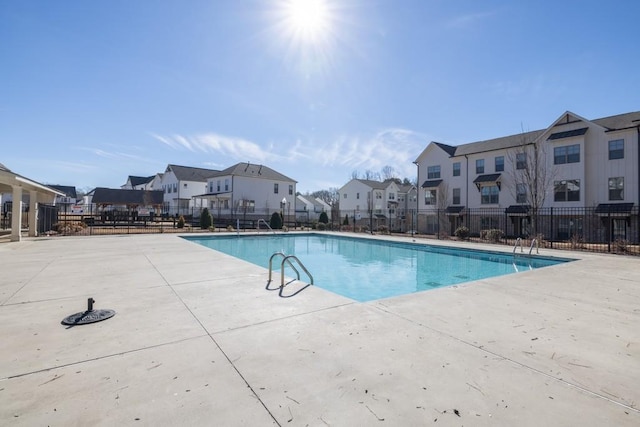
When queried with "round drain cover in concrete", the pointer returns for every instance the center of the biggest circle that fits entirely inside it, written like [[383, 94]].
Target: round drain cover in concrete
[[88, 317]]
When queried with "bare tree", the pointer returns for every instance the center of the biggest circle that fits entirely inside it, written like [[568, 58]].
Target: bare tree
[[370, 175], [388, 172], [442, 201], [354, 174], [329, 196], [530, 174]]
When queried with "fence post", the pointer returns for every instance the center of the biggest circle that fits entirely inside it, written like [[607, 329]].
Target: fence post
[[505, 226], [609, 229], [551, 235]]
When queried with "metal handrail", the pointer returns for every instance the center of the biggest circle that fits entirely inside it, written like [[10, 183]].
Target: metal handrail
[[284, 258], [534, 241], [265, 223], [287, 259], [518, 240]]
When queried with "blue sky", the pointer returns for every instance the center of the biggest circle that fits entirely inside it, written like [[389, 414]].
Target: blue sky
[[94, 91]]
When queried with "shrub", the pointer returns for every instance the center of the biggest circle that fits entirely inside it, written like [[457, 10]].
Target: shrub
[[229, 227], [206, 220], [69, 227], [324, 218], [383, 229], [575, 241], [493, 235], [276, 221], [462, 233], [621, 246], [321, 226], [181, 222], [346, 220]]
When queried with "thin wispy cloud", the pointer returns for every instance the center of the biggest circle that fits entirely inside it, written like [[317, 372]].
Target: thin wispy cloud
[[338, 157], [468, 20], [232, 147]]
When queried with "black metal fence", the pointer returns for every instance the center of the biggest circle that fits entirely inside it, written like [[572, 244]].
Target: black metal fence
[[608, 229], [588, 229]]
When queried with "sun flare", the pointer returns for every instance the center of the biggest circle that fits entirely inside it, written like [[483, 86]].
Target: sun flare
[[308, 19]]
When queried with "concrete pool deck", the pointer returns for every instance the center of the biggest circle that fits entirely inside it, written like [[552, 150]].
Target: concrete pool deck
[[197, 340]]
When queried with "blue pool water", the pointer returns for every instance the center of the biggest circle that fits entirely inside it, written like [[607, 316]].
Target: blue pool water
[[368, 269]]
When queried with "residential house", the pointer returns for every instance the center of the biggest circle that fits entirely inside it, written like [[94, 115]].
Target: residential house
[[67, 202], [308, 209], [373, 203], [574, 163], [180, 185], [124, 205], [407, 206], [249, 191], [138, 182]]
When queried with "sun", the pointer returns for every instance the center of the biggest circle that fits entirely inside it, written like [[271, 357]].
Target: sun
[[307, 19]]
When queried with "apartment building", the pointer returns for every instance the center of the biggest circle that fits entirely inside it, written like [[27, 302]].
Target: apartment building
[[575, 163]]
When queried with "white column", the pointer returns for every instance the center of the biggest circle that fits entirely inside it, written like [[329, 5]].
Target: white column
[[16, 214], [33, 213]]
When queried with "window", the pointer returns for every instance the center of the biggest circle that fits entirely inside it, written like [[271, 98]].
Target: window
[[275, 188], [500, 164], [489, 222], [185, 185], [211, 187], [456, 169], [456, 196], [218, 184], [430, 197], [226, 184], [489, 195], [480, 166], [392, 196], [378, 195], [344, 196], [175, 187], [358, 196], [521, 160], [616, 149], [433, 172], [521, 193], [248, 205], [290, 190], [566, 191], [616, 188], [566, 154]]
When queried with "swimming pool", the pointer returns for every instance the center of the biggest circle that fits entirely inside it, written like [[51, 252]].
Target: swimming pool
[[370, 269]]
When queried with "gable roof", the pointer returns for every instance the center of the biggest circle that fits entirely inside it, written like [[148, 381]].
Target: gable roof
[[188, 173], [253, 171], [498, 143], [69, 191], [374, 184], [112, 196], [620, 121], [617, 122], [139, 180], [447, 148]]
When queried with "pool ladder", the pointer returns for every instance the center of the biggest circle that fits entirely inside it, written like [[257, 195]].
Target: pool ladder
[[289, 260], [519, 242], [265, 223], [533, 242]]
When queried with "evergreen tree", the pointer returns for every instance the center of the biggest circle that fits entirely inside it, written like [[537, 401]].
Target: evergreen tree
[[206, 220], [276, 221]]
